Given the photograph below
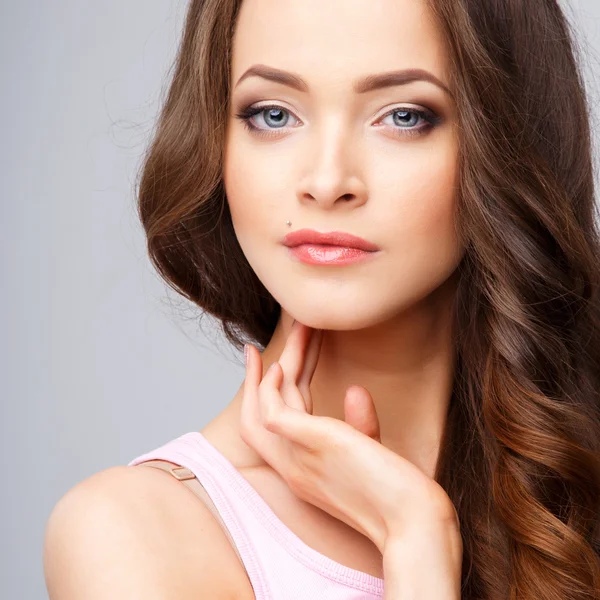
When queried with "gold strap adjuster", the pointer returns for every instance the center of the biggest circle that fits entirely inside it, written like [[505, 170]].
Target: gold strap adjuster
[[182, 473]]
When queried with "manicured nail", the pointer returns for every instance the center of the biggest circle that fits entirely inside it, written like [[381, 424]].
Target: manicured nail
[[246, 354]]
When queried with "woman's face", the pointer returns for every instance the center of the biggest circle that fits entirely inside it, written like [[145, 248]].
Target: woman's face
[[378, 162]]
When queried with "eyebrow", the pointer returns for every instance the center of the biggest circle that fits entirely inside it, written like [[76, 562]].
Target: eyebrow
[[366, 84]]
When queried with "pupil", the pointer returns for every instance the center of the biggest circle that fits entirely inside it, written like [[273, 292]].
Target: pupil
[[276, 115], [405, 117]]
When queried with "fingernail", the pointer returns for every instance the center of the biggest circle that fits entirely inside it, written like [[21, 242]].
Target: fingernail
[[246, 354]]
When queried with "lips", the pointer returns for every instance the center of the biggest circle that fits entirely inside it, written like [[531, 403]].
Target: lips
[[332, 238]]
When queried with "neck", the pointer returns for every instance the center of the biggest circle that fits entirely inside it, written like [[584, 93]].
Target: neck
[[406, 364]]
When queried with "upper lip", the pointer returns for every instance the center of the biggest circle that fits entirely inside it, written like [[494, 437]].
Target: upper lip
[[331, 238]]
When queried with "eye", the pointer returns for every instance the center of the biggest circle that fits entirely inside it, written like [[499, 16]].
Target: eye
[[404, 120], [275, 117]]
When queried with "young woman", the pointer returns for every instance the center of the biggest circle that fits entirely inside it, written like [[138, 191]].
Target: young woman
[[392, 204]]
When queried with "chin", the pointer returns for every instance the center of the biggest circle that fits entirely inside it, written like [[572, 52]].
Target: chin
[[334, 318]]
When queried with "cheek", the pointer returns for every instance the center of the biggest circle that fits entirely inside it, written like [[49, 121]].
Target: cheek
[[421, 200], [244, 194], [237, 171], [410, 213], [256, 186], [418, 223]]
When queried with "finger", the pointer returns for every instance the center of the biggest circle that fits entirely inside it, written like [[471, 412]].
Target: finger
[[269, 394], [253, 375], [297, 426], [254, 368], [360, 412], [294, 353], [292, 361], [310, 362], [250, 410], [274, 448]]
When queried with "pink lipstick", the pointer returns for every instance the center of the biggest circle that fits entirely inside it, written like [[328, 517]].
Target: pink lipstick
[[333, 248]]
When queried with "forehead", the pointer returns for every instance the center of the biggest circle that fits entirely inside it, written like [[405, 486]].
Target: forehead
[[329, 40]]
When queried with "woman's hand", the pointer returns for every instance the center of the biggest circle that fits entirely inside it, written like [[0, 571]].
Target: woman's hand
[[339, 466]]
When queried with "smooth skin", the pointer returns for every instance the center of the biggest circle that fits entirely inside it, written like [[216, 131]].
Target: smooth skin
[[330, 157], [136, 533], [342, 467], [339, 466], [342, 161]]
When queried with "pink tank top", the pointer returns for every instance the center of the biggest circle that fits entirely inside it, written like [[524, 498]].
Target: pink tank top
[[279, 563]]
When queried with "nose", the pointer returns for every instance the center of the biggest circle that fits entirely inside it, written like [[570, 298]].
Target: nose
[[332, 173]]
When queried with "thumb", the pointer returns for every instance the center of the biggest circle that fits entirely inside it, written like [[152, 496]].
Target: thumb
[[359, 411]]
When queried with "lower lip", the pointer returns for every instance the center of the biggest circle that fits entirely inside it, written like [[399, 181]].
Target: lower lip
[[316, 254]]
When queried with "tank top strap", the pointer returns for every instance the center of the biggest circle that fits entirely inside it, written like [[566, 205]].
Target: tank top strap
[[278, 562], [187, 452]]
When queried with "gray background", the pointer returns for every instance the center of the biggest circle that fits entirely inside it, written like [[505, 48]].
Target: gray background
[[99, 361]]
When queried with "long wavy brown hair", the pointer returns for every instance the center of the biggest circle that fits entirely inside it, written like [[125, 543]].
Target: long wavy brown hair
[[520, 457]]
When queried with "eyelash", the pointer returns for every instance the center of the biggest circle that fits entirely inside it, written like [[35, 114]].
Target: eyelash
[[246, 114]]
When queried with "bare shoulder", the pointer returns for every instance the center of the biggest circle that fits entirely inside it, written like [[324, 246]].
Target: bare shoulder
[[136, 532]]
